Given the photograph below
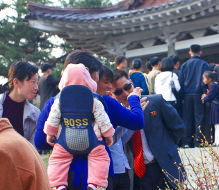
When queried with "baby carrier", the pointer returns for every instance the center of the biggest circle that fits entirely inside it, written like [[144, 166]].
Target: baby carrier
[[77, 135]]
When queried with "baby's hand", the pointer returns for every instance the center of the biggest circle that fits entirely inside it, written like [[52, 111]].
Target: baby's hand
[[109, 141], [50, 139]]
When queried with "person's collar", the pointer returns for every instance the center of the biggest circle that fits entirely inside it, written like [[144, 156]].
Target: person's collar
[[135, 72], [4, 124], [196, 56], [155, 69]]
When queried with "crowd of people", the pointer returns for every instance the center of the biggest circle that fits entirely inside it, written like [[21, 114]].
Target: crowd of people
[[107, 129]]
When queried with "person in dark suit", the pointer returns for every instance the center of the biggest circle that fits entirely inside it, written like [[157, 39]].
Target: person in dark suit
[[47, 84], [163, 130], [192, 87]]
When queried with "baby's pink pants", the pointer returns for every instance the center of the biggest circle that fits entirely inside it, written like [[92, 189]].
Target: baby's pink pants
[[60, 160]]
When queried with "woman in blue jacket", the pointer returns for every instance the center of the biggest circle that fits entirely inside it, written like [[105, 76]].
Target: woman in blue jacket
[[138, 78], [119, 115]]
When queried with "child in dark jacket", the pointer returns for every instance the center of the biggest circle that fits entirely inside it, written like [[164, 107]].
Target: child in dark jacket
[[210, 79]]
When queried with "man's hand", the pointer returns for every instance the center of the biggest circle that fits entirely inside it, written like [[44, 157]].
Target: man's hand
[[144, 103], [109, 141], [50, 139]]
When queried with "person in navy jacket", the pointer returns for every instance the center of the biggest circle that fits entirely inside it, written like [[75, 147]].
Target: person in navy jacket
[[192, 87], [163, 130]]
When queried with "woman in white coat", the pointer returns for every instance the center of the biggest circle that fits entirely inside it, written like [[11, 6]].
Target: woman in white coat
[[164, 79]]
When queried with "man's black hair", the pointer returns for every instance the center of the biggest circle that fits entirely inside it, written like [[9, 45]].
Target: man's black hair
[[137, 63], [154, 61], [211, 66], [195, 48], [148, 66], [119, 74], [45, 67], [175, 59], [105, 71], [119, 59], [86, 58], [167, 64]]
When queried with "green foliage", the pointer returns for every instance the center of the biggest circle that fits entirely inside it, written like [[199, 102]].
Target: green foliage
[[58, 69], [19, 41]]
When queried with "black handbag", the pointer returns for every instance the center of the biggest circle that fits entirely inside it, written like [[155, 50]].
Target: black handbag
[[173, 87]]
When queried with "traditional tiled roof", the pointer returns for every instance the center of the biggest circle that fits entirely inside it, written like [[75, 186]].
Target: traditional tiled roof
[[126, 24], [123, 9]]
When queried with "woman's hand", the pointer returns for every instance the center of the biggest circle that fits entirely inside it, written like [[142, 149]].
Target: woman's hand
[[136, 91], [50, 139]]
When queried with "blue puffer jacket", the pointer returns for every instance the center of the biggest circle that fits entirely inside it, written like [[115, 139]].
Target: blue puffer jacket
[[139, 80]]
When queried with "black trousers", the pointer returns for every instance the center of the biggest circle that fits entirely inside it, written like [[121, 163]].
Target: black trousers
[[193, 116], [119, 182], [153, 178]]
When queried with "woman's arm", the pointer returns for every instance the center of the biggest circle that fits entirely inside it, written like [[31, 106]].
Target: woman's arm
[[176, 82], [40, 136], [132, 119]]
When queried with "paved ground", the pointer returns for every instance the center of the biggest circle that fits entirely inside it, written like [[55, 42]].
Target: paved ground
[[202, 167], [201, 164]]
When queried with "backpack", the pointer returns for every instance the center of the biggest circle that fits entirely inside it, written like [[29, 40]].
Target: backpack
[[77, 135]]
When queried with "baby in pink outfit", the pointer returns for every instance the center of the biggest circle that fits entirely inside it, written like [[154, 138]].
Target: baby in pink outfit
[[60, 159]]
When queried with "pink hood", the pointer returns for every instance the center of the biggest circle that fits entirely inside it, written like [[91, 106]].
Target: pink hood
[[77, 74]]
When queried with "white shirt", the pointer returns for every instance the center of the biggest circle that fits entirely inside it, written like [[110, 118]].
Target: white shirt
[[162, 85], [147, 154]]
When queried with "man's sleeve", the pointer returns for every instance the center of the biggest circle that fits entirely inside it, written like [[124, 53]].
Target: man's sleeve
[[181, 80], [172, 120]]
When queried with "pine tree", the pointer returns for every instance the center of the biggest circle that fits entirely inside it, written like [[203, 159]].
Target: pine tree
[[19, 41]]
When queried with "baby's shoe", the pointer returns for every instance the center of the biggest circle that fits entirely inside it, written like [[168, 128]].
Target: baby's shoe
[[92, 186], [60, 187]]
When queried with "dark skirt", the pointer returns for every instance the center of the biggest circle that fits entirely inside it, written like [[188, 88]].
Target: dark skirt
[[214, 113]]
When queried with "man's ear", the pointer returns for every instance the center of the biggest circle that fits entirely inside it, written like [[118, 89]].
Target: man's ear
[[190, 53], [200, 53]]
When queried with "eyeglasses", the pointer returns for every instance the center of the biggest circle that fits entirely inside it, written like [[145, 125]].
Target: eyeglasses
[[119, 91]]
